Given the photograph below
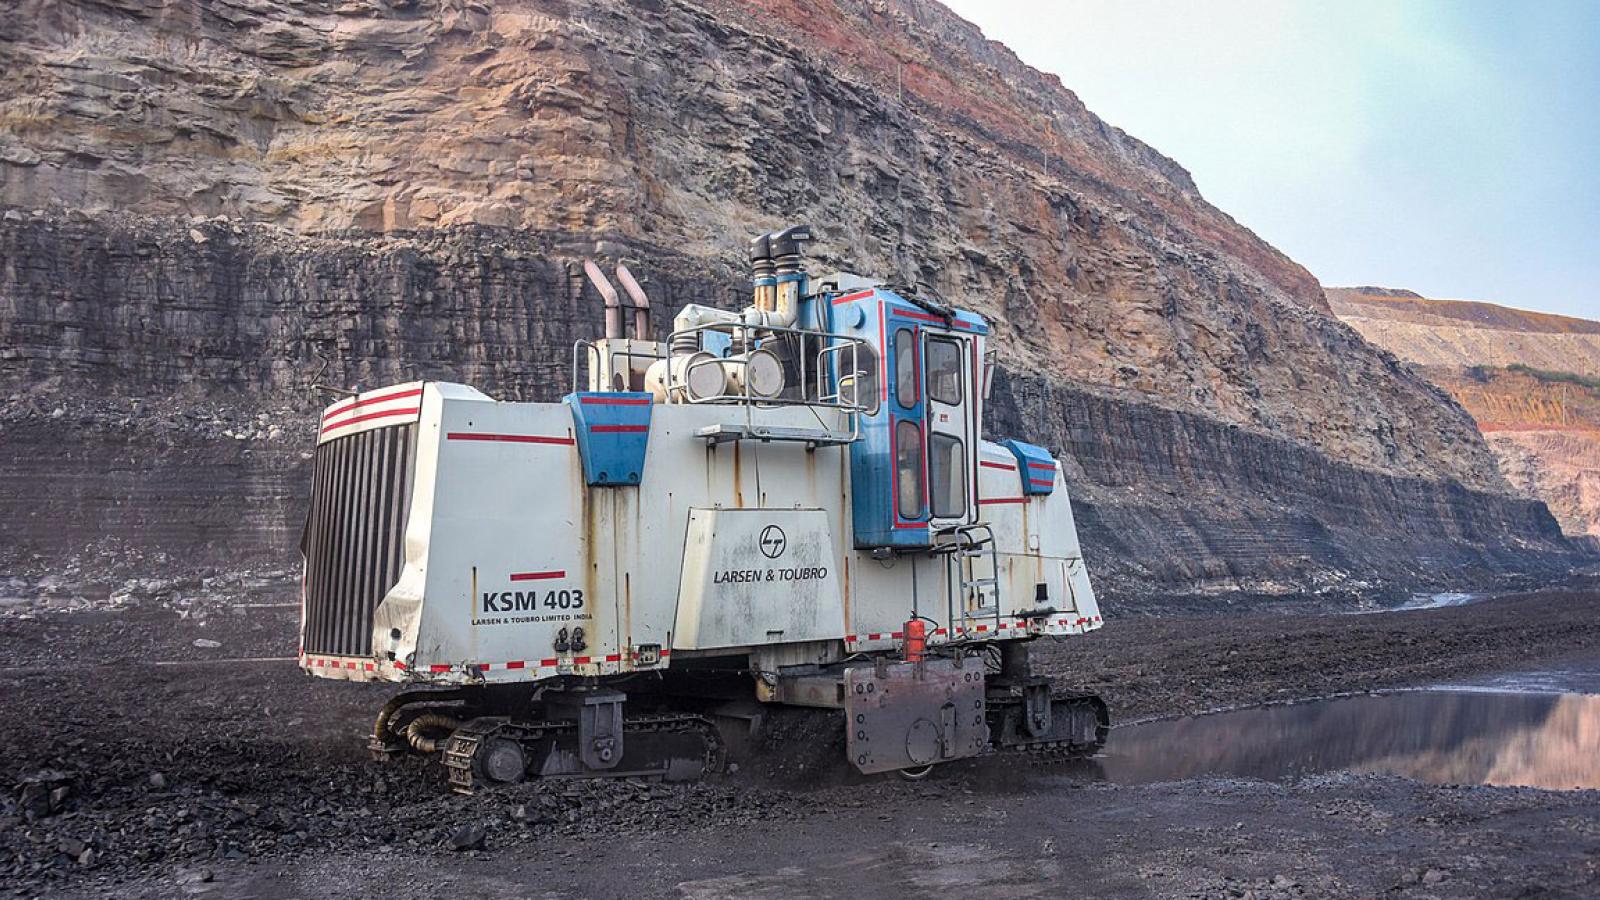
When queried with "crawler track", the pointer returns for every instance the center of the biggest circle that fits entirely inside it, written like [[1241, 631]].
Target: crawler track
[[673, 747]]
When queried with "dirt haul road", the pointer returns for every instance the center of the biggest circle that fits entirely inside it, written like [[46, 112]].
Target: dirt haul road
[[209, 776]]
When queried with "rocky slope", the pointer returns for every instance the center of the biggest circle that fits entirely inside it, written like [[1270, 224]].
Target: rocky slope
[[1530, 380], [1447, 333], [216, 201]]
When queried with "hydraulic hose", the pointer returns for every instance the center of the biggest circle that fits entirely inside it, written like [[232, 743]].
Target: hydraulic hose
[[380, 728], [426, 722]]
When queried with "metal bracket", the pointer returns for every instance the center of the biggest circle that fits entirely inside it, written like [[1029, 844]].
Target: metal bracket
[[599, 715], [904, 715]]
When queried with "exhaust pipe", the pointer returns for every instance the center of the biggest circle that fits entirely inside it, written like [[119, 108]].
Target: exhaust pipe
[[613, 304], [641, 303]]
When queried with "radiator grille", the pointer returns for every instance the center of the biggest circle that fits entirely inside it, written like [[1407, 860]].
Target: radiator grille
[[354, 535]]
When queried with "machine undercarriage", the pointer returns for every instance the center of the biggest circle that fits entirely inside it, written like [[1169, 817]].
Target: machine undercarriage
[[898, 716]]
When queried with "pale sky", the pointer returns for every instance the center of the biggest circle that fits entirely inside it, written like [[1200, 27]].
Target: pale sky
[[1447, 146]]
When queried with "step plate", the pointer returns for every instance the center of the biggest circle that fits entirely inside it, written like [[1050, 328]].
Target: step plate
[[907, 715]]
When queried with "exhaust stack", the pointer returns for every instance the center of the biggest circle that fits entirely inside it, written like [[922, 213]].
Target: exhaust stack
[[641, 303], [613, 303]]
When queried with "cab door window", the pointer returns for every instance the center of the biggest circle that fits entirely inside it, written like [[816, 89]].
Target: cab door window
[[947, 475], [944, 371]]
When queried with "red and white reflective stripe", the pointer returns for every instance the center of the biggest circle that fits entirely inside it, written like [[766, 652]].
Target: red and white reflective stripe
[[508, 438], [341, 663], [1007, 467], [351, 405], [358, 410], [382, 414]]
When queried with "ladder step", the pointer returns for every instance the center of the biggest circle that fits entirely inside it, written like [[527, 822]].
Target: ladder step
[[981, 582]]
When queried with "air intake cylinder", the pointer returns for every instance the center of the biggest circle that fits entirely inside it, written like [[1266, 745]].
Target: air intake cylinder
[[766, 285]]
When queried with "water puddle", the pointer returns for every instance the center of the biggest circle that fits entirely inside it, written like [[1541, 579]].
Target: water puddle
[[1475, 736], [1581, 677], [1426, 601]]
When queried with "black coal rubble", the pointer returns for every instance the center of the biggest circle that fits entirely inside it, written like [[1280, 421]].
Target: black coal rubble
[[122, 824]]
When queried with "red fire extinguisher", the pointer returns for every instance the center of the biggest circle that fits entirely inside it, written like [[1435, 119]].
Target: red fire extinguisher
[[916, 640]]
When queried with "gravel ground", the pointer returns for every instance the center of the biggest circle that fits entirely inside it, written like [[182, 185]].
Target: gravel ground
[[141, 765]]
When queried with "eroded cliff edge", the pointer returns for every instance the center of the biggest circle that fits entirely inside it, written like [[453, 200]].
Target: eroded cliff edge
[[375, 192]]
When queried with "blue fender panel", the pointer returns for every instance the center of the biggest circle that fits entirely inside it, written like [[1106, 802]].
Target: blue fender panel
[[613, 432], [1037, 467]]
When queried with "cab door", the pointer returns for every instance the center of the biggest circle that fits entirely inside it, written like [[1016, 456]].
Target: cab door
[[951, 430]]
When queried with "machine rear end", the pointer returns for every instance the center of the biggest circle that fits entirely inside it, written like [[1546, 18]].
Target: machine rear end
[[786, 505]]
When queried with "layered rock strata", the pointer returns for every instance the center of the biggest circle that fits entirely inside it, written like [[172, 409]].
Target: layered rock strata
[[367, 192]]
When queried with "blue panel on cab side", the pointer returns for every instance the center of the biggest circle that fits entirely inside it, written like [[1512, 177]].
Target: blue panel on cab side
[[613, 431], [1037, 466]]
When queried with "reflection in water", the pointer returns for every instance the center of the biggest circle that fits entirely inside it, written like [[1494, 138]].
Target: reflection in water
[[1548, 741]]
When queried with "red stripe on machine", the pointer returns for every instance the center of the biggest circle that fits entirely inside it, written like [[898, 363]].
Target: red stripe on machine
[[548, 663], [409, 411], [439, 667], [991, 500], [1039, 465], [849, 297], [927, 317], [581, 660], [614, 657], [538, 576], [1039, 482], [356, 403], [516, 664], [997, 465], [615, 401], [619, 429], [509, 438]]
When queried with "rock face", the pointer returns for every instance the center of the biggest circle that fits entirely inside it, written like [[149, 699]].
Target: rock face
[[1530, 380], [237, 199]]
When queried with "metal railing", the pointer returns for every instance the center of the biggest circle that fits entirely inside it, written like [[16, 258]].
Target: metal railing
[[825, 382], [831, 371]]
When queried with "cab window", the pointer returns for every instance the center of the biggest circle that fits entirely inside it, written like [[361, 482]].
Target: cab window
[[860, 387], [947, 475], [908, 468], [944, 371], [905, 368]]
